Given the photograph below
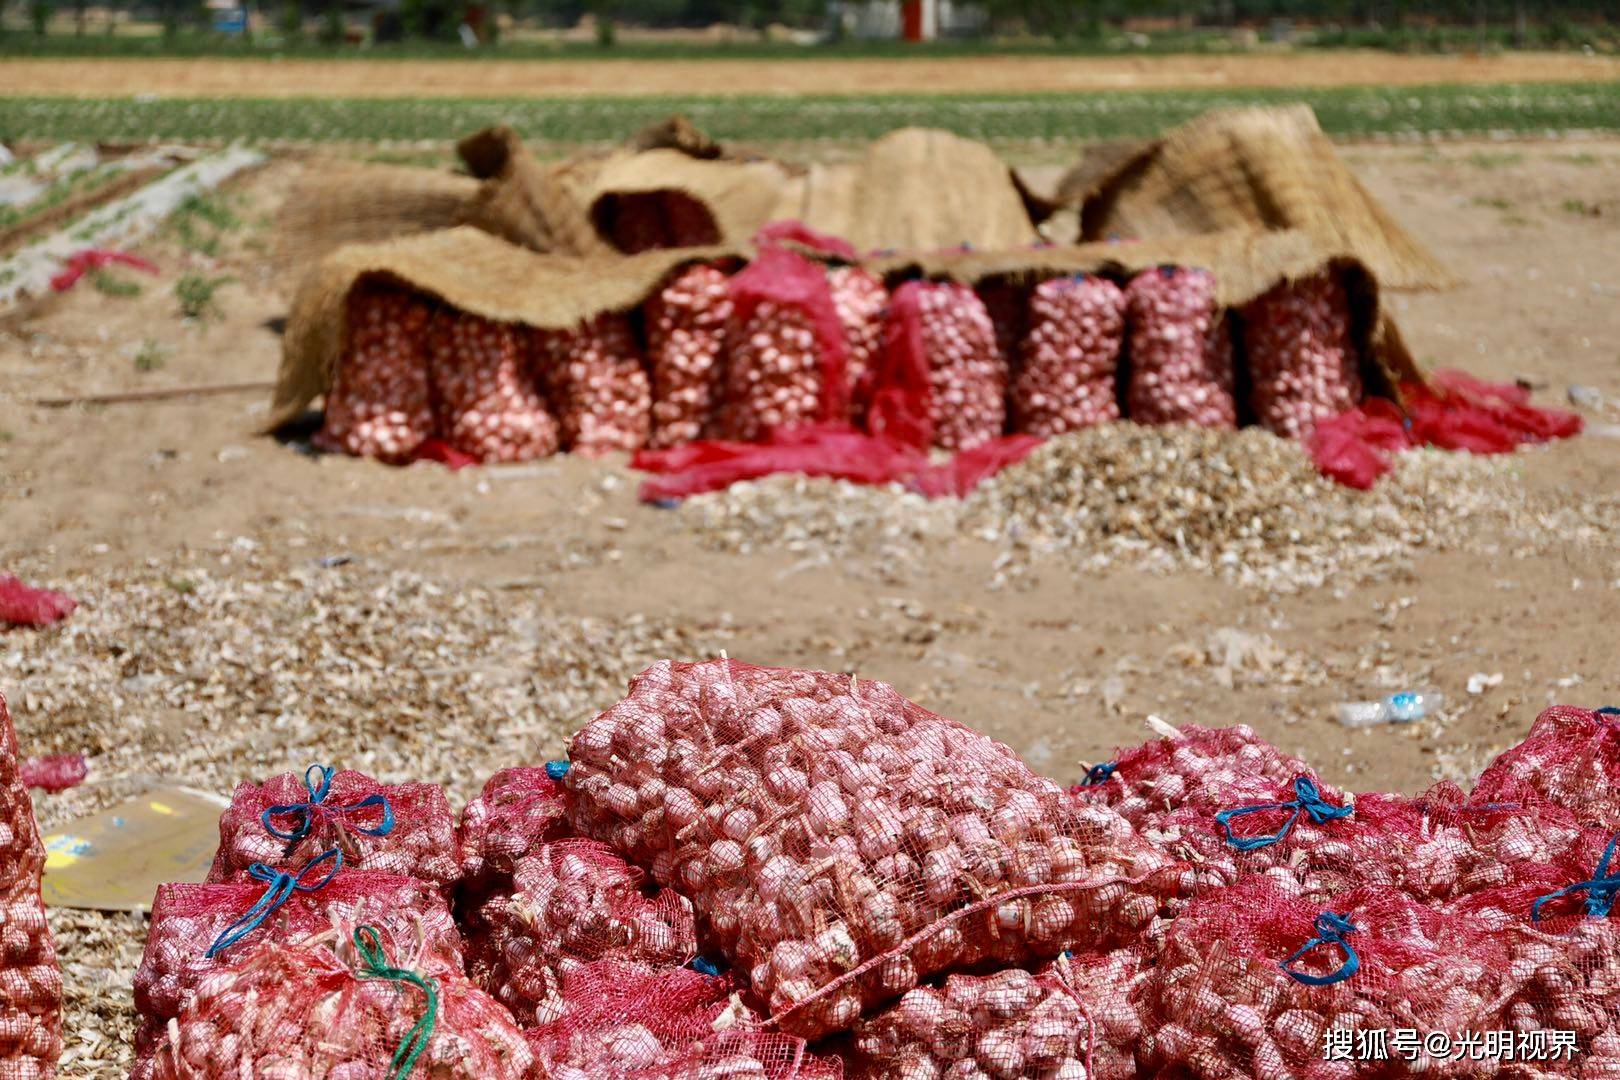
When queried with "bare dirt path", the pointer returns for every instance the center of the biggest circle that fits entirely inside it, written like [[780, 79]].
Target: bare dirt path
[[991, 74]]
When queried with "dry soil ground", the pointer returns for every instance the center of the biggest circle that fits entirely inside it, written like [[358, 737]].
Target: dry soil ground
[[474, 618], [998, 74]]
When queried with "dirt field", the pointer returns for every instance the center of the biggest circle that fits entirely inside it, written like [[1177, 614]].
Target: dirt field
[[248, 607], [991, 74]]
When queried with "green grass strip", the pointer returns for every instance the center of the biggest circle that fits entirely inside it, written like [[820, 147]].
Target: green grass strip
[[1512, 109]]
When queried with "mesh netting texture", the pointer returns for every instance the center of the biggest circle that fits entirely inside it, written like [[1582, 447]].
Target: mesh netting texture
[[839, 842], [30, 977]]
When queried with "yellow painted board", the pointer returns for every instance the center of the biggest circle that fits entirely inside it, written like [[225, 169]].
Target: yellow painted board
[[116, 859]]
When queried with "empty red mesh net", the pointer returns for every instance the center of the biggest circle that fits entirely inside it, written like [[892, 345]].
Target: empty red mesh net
[[30, 978], [1571, 758], [488, 404], [1181, 369], [686, 342], [631, 1020], [571, 902], [1453, 411], [1250, 981], [519, 809], [380, 405], [288, 819], [1070, 357], [941, 381], [1302, 357], [24, 605], [598, 387], [54, 772], [189, 921], [326, 1007], [1012, 1023], [840, 843], [786, 351]]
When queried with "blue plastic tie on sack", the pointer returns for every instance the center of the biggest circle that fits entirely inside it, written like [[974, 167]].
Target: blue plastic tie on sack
[[1307, 799], [556, 770], [704, 967], [1098, 774], [1600, 890], [1330, 930], [306, 811], [281, 886], [1609, 710]]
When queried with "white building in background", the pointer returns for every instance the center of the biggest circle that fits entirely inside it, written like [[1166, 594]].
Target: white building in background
[[909, 20]]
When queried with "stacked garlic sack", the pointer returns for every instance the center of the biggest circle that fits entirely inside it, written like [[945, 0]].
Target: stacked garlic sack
[[1070, 356], [1571, 758], [1003, 1026], [1180, 350], [355, 1001], [287, 820], [488, 402], [30, 978], [686, 328], [572, 902], [819, 823], [859, 297], [967, 376], [598, 387], [379, 405], [1250, 981], [1301, 356]]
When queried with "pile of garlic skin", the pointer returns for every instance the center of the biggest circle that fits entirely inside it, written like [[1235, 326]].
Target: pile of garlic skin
[[380, 404], [840, 843], [307, 1010]]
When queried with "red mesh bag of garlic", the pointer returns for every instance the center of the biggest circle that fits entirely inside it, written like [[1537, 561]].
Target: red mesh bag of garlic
[[519, 809], [1003, 1026], [198, 929], [1466, 845], [571, 902], [488, 403], [1250, 980], [1113, 984], [283, 822], [30, 978], [1302, 359], [630, 1020], [686, 341], [380, 405], [785, 349], [597, 384], [859, 298], [1570, 758], [1196, 768], [942, 381], [1181, 368], [1070, 356], [352, 1003], [1563, 972], [1306, 837], [840, 843]]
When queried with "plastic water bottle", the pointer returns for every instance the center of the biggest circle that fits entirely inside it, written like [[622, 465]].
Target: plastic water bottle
[[1396, 709]]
